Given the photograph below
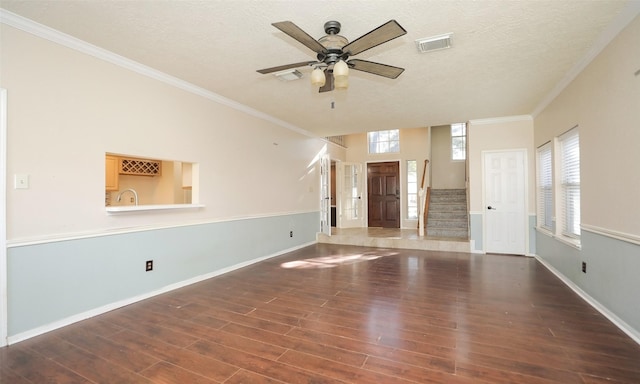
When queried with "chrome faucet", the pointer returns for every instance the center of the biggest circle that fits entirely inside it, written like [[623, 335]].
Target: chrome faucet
[[135, 195]]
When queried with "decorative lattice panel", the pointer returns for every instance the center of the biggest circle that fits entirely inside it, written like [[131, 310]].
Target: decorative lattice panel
[[140, 167]]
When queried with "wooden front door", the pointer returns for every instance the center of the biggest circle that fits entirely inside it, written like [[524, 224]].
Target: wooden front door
[[383, 186]]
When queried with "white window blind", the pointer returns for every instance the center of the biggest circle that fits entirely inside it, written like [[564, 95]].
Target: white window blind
[[545, 188], [570, 183]]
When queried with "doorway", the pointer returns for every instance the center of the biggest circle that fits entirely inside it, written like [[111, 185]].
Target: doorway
[[505, 218], [383, 194]]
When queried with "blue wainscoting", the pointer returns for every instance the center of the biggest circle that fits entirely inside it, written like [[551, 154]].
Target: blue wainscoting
[[55, 283], [476, 233], [610, 284]]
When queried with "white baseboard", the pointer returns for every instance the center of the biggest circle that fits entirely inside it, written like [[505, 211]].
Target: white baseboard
[[618, 322], [122, 303], [472, 248]]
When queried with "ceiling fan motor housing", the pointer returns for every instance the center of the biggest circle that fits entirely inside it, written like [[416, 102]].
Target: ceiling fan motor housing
[[332, 27], [333, 44]]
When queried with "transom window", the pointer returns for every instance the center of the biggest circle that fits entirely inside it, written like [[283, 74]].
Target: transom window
[[384, 141], [458, 141]]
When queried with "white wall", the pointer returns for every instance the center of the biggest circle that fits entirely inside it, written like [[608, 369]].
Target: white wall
[[515, 132], [67, 109], [494, 135], [66, 257], [445, 173], [414, 145], [604, 102]]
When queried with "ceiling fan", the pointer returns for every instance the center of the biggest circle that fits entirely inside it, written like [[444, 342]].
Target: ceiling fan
[[333, 51]]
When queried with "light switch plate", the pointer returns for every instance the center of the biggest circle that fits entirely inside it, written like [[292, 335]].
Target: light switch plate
[[21, 181]]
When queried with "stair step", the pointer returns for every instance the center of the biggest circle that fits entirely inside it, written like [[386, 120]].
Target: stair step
[[447, 223], [460, 215], [447, 216], [440, 207], [453, 233], [448, 192], [452, 202]]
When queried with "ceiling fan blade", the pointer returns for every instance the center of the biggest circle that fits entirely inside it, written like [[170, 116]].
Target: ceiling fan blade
[[328, 83], [284, 67], [388, 31], [375, 68], [294, 31]]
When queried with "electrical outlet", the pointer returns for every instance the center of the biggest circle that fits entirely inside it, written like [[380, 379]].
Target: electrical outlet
[[132, 200], [149, 265], [290, 233], [584, 267]]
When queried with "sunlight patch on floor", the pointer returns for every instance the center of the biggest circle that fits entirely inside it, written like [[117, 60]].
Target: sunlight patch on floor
[[336, 260]]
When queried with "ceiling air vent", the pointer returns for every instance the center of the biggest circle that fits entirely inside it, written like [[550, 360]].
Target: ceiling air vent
[[434, 43], [289, 75]]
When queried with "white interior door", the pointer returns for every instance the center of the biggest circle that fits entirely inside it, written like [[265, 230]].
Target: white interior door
[[325, 195], [350, 203], [3, 217], [505, 215]]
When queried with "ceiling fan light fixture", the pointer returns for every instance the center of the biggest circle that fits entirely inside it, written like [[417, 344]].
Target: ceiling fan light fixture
[[317, 77], [340, 69], [341, 82]]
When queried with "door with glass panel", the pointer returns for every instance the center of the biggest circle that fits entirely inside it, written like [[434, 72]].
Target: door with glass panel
[[325, 195], [349, 177]]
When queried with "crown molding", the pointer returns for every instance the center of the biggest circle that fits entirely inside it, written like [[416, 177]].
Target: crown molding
[[55, 36], [623, 19]]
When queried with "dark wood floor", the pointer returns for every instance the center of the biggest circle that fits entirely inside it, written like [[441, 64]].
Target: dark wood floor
[[336, 314]]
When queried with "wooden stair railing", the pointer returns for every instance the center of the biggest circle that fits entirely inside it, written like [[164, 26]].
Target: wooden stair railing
[[428, 191]]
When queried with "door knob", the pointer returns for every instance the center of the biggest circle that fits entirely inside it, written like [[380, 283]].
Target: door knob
[[490, 207]]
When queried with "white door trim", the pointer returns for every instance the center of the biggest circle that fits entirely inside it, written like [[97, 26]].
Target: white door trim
[[526, 196], [3, 218]]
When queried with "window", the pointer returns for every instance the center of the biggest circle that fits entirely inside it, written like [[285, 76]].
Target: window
[[545, 188], [569, 149], [458, 141], [412, 189], [351, 192], [384, 141]]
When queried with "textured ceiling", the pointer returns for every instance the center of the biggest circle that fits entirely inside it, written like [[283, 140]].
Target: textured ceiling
[[506, 56]]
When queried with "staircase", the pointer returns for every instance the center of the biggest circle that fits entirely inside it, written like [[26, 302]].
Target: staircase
[[447, 215]]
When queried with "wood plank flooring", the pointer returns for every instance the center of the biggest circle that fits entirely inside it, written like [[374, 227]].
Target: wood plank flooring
[[344, 314]]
